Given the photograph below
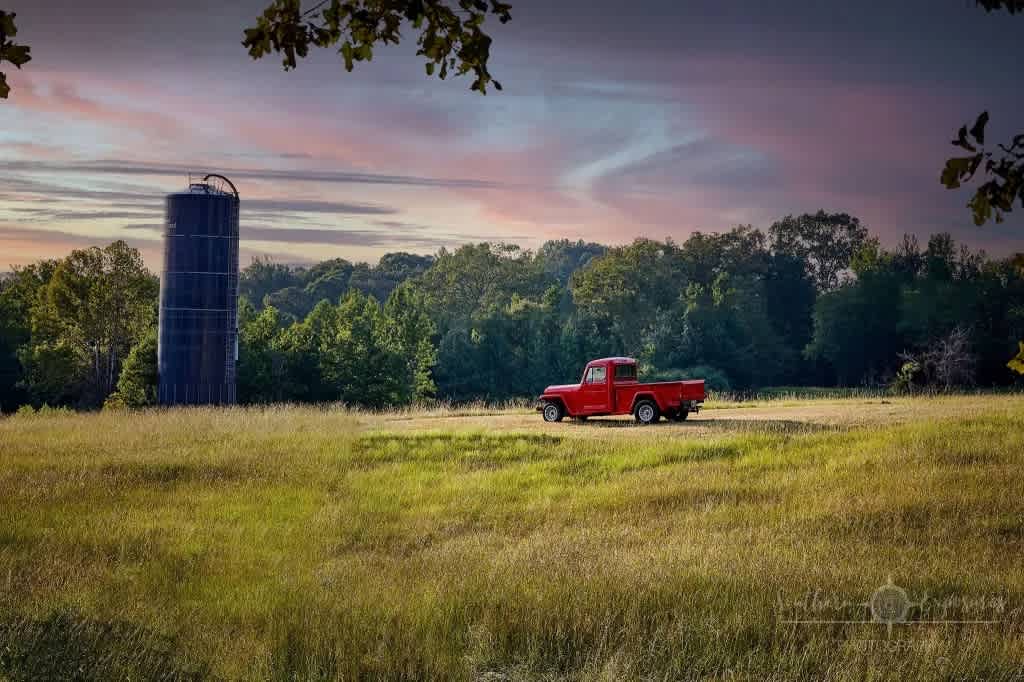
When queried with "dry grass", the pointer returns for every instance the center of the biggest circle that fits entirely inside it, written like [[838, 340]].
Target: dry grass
[[303, 543]]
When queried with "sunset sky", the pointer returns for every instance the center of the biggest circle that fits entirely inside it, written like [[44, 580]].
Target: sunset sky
[[618, 120]]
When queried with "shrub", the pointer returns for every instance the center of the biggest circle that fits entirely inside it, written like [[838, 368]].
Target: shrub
[[47, 411], [907, 377], [44, 411], [946, 364], [114, 401]]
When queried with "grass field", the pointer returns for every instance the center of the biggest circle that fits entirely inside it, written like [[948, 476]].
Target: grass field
[[303, 543]]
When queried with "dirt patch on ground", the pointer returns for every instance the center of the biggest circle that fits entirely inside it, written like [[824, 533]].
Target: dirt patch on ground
[[786, 417]]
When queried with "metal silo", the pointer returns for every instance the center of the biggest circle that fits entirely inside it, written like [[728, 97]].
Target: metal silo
[[198, 346]]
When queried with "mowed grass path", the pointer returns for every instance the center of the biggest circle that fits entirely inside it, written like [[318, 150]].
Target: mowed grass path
[[301, 543]]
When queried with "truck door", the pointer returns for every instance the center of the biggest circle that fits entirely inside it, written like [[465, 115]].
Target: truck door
[[595, 390]]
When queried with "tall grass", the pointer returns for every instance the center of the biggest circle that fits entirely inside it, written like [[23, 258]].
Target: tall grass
[[299, 543], [775, 395]]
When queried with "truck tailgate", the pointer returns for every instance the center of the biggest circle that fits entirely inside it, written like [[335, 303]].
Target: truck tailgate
[[693, 390]]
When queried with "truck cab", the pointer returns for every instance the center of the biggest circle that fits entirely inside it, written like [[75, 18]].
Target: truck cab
[[610, 386]]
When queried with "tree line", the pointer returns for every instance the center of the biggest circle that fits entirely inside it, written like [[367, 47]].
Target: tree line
[[812, 300]]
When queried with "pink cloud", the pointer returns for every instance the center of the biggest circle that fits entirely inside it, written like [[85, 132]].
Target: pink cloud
[[63, 98]]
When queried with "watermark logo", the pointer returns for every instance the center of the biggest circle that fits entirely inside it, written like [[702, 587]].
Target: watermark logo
[[891, 605]]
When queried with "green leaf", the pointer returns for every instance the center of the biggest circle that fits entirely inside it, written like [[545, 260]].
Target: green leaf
[[7, 27], [1018, 262], [17, 54], [430, 68], [978, 130], [1017, 362], [348, 55], [955, 169], [961, 140], [981, 207]]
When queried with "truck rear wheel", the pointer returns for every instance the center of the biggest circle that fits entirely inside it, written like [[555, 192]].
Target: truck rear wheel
[[646, 412], [552, 412]]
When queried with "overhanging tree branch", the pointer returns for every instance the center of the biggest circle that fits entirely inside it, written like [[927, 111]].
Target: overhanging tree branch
[[996, 196], [451, 35], [1006, 172], [15, 54]]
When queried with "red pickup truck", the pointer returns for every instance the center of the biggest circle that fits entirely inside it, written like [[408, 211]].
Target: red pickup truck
[[609, 386]]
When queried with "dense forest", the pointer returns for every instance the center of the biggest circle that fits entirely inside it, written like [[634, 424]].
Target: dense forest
[[814, 300]]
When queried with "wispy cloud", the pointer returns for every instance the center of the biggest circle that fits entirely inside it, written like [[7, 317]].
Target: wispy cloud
[[311, 206], [20, 246], [49, 215], [412, 236], [13, 233], [352, 237], [126, 168]]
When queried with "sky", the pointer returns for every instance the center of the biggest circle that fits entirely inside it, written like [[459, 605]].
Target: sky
[[654, 118]]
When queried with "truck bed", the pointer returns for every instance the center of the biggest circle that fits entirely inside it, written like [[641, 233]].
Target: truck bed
[[667, 393]]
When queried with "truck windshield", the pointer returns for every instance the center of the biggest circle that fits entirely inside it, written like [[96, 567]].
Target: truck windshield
[[625, 372]]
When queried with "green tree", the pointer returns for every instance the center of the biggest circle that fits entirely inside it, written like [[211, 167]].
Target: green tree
[[789, 296], [263, 277], [137, 385], [392, 269], [260, 362], [292, 302], [413, 332], [451, 36], [56, 373], [459, 376], [561, 258], [18, 294], [856, 329], [10, 52], [328, 280], [629, 285], [739, 252], [825, 242], [476, 278], [362, 359], [97, 304], [305, 348], [726, 326]]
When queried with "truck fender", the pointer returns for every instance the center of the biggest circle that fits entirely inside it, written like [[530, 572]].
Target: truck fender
[[556, 399], [645, 396]]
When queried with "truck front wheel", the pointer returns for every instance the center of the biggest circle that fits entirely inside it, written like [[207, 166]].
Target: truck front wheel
[[646, 412], [552, 412]]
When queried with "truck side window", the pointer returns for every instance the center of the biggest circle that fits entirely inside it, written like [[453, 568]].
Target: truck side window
[[596, 375], [625, 371]]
